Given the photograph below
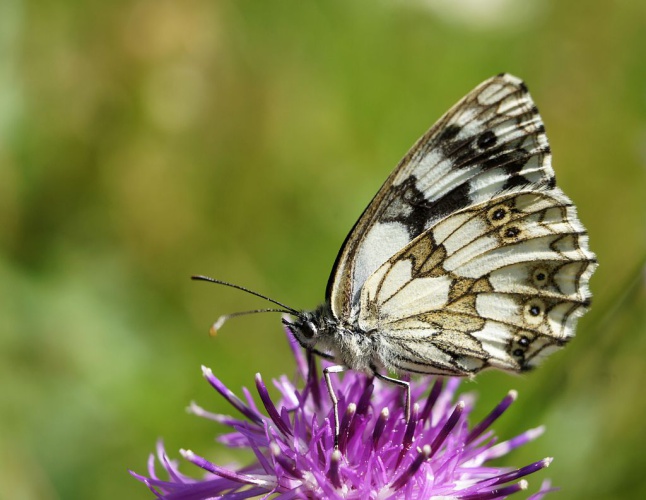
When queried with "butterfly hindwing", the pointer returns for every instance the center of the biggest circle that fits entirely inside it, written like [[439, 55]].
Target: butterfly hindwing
[[492, 141], [497, 284]]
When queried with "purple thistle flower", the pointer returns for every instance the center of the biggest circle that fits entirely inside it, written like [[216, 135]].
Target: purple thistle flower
[[380, 455]]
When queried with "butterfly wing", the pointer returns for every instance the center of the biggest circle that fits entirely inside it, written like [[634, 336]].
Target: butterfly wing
[[491, 141], [499, 284]]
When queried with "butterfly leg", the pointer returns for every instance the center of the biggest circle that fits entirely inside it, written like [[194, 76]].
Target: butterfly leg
[[324, 355], [400, 383], [335, 401]]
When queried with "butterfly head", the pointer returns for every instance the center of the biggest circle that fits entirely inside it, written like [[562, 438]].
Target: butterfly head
[[305, 328], [313, 330]]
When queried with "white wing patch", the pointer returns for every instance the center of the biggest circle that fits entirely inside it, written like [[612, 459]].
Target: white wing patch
[[378, 246], [400, 296]]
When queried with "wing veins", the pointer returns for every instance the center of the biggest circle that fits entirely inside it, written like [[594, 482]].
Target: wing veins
[[496, 120], [441, 370], [477, 316], [523, 216]]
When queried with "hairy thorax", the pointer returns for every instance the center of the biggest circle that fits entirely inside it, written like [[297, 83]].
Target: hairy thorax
[[347, 342]]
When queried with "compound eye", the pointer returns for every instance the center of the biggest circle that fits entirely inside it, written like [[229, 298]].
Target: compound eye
[[309, 330]]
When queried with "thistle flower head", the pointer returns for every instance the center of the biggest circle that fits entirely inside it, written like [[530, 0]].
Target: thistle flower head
[[435, 454]]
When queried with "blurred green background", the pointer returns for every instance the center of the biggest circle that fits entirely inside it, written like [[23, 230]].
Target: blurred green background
[[144, 141]]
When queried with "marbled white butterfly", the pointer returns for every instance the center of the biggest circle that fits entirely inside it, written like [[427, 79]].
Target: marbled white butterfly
[[468, 257]]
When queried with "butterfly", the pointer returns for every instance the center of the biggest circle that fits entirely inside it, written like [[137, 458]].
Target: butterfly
[[469, 256]]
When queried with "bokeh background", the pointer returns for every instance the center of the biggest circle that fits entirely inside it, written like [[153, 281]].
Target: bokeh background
[[144, 141]]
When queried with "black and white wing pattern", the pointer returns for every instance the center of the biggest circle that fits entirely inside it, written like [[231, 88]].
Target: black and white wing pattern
[[469, 256]]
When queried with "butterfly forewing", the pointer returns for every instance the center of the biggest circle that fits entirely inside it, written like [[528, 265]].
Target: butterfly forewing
[[491, 141], [468, 256]]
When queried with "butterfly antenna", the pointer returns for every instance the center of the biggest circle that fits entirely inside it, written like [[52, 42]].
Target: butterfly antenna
[[288, 309], [226, 317]]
